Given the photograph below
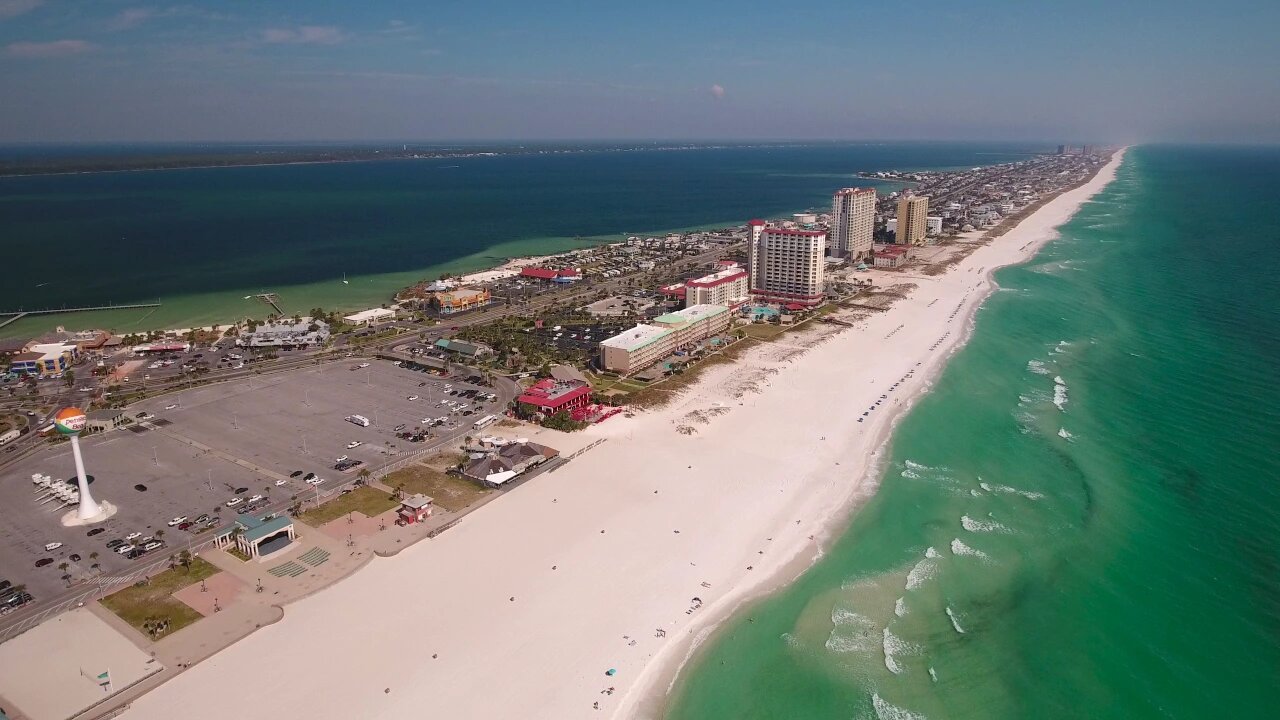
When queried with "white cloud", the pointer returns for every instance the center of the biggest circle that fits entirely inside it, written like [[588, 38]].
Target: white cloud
[[14, 8], [129, 18], [56, 48], [305, 34], [717, 91]]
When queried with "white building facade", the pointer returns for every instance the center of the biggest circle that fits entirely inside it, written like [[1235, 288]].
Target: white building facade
[[788, 266], [727, 287]]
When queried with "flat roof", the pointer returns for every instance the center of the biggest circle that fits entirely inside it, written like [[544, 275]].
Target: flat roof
[[718, 278], [369, 314], [636, 338], [691, 313]]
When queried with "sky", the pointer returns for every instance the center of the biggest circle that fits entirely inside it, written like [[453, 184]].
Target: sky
[[295, 70]]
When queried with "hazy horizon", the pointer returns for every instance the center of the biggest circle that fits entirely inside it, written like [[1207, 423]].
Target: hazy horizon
[[1120, 73]]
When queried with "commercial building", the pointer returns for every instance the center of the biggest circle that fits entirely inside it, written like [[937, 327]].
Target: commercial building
[[727, 287], [104, 419], [457, 301], [550, 396], [892, 256], [498, 468], [286, 333], [563, 275], [45, 359], [631, 351], [913, 211], [853, 221], [787, 266], [457, 347], [695, 323], [375, 316], [933, 225]]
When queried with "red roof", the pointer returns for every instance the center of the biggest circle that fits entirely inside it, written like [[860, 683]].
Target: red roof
[[855, 191], [755, 222], [795, 306], [548, 273], [549, 393], [677, 290]]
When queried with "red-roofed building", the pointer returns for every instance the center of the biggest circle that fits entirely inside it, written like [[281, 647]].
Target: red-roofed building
[[674, 292], [787, 266], [726, 287], [549, 275], [549, 396], [892, 256]]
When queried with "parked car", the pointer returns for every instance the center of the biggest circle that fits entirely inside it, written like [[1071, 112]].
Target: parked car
[[44, 561], [124, 549], [281, 482], [178, 520], [96, 531], [234, 501], [113, 544]]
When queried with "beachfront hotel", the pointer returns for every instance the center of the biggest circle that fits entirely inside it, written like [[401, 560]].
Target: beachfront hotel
[[635, 349], [913, 212], [853, 221], [787, 266], [727, 287]]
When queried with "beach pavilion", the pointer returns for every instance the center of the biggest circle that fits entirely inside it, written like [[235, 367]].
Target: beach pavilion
[[258, 536]]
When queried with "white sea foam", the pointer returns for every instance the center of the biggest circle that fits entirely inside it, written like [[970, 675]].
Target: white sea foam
[[900, 607], [974, 493], [1061, 347], [910, 474], [1037, 367], [886, 710], [1059, 392], [916, 465], [959, 548], [981, 526], [893, 647], [921, 573], [853, 632], [1064, 434], [955, 622], [1005, 489], [933, 674], [931, 553]]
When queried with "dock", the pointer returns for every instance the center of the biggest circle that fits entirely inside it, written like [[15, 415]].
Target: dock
[[273, 300]]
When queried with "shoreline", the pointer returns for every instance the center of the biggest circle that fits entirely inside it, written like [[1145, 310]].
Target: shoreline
[[613, 557], [655, 700]]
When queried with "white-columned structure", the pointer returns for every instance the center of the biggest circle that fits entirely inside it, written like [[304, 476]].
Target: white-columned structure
[[70, 421]]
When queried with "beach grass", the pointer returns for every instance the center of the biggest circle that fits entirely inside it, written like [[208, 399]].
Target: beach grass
[[448, 492], [140, 604], [367, 500]]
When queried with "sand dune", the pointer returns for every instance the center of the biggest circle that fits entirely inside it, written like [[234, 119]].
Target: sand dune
[[528, 602]]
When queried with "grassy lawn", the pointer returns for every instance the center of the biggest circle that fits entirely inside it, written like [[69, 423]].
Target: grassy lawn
[[367, 500], [153, 601], [449, 492], [763, 331]]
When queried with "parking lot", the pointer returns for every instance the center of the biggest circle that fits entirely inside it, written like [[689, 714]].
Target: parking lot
[[204, 445]]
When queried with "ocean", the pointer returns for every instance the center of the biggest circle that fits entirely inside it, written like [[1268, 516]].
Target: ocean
[[1082, 519], [200, 240]]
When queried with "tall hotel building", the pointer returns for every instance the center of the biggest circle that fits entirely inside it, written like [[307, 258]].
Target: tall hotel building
[[853, 220], [913, 211], [787, 265]]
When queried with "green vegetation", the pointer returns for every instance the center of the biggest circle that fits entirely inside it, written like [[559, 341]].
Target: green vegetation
[[149, 606], [449, 492], [367, 500]]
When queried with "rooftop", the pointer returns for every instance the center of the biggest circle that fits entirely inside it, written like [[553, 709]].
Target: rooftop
[[718, 278], [417, 501], [553, 393], [635, 338], [804, 233], [690, 314], [371, 314], [256, 528]]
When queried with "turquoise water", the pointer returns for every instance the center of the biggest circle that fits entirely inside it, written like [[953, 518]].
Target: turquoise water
[[1115, 557], [200, 240]]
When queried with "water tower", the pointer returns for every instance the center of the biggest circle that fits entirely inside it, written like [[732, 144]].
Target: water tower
[[70, 421]]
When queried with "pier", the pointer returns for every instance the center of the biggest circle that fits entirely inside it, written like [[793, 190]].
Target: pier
[[19, 314], [273, 300]]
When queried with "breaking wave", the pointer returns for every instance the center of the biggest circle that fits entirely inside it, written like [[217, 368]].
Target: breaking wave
[[900, 607], [959, 548], [1064, 434], [888, 711], [1037, 367], [955, 622], [1010, 491], [981, 526]]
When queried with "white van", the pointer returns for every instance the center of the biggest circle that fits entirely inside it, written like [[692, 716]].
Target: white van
[[360, 420]]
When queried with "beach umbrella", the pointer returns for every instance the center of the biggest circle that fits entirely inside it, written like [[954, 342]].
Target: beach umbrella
[[611, 672]]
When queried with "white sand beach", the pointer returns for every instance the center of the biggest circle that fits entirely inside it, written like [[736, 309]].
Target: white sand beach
[[521, 609]]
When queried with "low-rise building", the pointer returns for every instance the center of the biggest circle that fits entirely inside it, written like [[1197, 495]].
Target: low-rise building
[[373, 316], [550, 396], [696, 322], [104, 420], [456, 301], [465, 349], [286, 333], [550, 275], [258, 535], [892, 256], [933, 225], [496, 469], [414, 509], [45, 359]]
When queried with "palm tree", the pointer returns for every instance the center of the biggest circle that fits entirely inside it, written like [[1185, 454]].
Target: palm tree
[[93, 557], [184, 558]]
